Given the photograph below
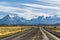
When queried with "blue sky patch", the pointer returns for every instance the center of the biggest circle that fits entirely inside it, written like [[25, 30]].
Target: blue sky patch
[[30, 8]]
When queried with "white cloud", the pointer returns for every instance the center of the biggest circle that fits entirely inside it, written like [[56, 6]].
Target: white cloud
[[15, 10], [9, 9], [51, 1], [28, 13], [42, 6]]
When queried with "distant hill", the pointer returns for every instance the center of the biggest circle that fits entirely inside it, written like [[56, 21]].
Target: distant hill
[[7, 20]]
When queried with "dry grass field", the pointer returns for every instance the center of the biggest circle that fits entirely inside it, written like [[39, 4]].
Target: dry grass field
[[9, 30], [54, 28]]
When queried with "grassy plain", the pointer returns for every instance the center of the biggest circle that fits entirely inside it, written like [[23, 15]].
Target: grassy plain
[[9, 30], [54, 28]]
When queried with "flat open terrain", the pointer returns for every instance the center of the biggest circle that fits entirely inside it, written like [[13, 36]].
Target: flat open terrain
[[9, 30], [28, 33], [54, 28]]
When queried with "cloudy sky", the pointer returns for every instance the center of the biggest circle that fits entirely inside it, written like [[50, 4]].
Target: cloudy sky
[[29, 9]]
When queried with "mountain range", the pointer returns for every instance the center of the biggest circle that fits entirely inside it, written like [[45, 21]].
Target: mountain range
[[16, 20]]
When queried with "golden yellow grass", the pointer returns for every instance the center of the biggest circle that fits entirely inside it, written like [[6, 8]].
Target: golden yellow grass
[[54, 28], [6, 31]]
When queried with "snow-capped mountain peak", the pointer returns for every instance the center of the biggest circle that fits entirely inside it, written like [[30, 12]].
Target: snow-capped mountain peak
[[16, 20]]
